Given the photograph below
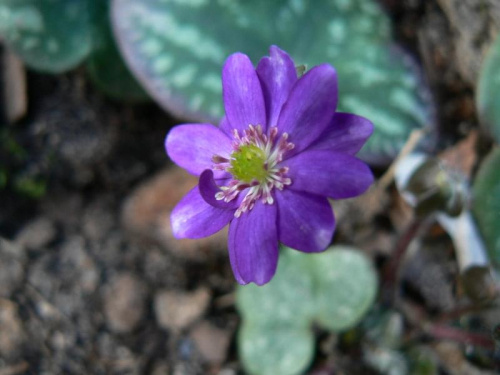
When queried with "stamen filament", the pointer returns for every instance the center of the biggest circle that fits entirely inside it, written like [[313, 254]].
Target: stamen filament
[[254, 154]]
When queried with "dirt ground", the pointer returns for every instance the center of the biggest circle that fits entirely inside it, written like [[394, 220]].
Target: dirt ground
[[92, 281]]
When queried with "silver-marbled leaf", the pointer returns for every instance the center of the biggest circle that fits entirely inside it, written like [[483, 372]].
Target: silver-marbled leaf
[[177, 48]]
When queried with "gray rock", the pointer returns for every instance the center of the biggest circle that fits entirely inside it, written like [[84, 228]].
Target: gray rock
[[125, 303], [176, 310], [98, 220], [12, 332], [211, 342], [11, 267], [160, 368], [78, 266], [37, 234]]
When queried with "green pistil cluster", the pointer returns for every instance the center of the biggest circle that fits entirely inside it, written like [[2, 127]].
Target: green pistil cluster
[[248, 163], [254, 166]]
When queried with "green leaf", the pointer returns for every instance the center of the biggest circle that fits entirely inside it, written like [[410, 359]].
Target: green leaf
[[177, 51], [105, 65], [345, 287], [49, 35], [271, 351], [486, 204], [334, 288], [31, 187], [286, 301], [488, 90]]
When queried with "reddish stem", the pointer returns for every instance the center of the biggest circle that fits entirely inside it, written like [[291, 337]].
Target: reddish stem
[[391, 269], [438, 331]]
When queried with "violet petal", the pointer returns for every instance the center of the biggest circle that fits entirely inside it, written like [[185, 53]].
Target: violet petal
[[225, 126], [208, 188], [305, 221], [254, 243], [232, 245], [195, 218], [310, 107], [345, 133], [328, 173], [192, 146], [242, 93], [277, 75]]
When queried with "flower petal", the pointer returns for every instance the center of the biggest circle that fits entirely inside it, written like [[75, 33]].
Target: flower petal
[[195, 218], [232, 239], [191, 146], [253, 241], [328, 173], [277, 75], [225, 126], [242, 93], [345, 133], [305, 221], [208, 189], [310, 106]]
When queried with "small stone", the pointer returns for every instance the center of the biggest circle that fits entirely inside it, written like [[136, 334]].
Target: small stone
[[37, 234], [79, 267], [125, 303], [12, 332], [98, 220], [118, 358], [175, 310], [211, 342], [160, 368], [146, 213], [11, 267]]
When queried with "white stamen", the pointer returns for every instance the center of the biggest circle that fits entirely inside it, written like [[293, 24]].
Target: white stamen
[[273, 149]]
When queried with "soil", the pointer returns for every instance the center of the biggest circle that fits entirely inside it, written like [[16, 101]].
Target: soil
[[93, 281]]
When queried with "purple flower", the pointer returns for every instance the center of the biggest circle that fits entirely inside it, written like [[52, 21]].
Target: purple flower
[[269, 167]]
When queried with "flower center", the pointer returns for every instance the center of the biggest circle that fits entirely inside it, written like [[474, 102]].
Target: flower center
[[248, 164], [253, 165]]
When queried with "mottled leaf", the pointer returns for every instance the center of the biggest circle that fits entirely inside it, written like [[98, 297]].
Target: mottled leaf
[[277, 350], [177, 48], [49, 35], [486, 204], [345, 286], [286, 301], [334, 288], [488, 91]]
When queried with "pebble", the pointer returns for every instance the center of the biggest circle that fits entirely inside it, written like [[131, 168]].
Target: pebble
[[146, 213], [125, 303], [37, 234], [78, 265], [160, 368], [12, 332], [211, 342], [98, 220], [11, 267], [176, 310]]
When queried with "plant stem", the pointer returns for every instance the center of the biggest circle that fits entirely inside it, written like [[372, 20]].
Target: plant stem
[[439, 331], [391, 270]]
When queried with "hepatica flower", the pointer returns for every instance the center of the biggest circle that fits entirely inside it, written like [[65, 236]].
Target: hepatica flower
[[268, 169]]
